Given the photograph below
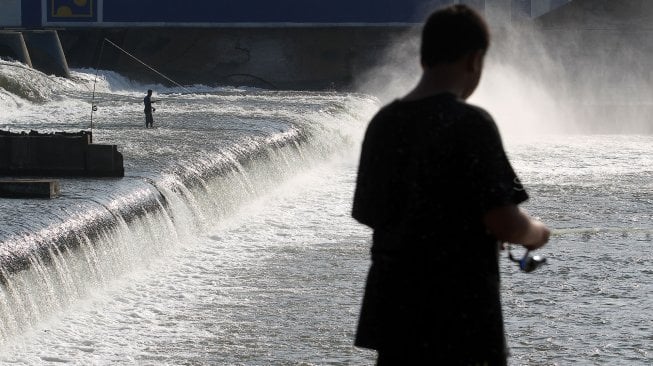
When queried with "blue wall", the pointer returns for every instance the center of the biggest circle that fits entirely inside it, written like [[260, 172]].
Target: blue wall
[[266, 11], [31, 13], [88, 12], [70, 13]]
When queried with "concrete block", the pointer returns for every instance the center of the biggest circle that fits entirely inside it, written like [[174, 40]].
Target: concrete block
[[45, 154], [104, 160], [60, 154], [29, 188]]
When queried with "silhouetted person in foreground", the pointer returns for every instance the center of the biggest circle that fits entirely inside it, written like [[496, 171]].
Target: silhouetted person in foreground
[[435, 185], [149, 120]]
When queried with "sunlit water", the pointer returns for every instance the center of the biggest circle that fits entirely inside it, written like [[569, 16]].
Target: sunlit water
[[229, 241]]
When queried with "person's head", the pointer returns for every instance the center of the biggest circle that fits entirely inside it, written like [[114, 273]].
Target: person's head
[[149, 92], [456, 34]]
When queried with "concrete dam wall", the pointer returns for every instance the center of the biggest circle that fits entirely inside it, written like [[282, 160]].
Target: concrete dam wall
[[273, 58]]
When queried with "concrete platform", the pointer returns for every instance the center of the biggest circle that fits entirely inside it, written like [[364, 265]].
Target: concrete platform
[[59, 154], [29, 188]]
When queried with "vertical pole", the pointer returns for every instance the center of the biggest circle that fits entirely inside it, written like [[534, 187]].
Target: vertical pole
[[97, 69]]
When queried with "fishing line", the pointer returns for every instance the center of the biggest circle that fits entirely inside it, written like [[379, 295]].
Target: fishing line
[[146, 65], [529, 263], [93, 106], [597, 230], [97, 68]]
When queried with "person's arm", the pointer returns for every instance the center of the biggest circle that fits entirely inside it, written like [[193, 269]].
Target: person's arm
[[373, 196], [510, 224]]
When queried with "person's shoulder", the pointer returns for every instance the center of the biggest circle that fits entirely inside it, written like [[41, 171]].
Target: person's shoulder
[[471, 112], [473, 117], [385, 123], [386, 115], [389, 109]]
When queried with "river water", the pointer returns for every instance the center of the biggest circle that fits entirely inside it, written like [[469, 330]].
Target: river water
[[229, 241]]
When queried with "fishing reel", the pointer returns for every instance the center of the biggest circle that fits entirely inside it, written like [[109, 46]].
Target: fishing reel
[[527, 263]]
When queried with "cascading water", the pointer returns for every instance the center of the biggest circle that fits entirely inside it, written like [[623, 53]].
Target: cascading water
[[229, 241], [210, 153]]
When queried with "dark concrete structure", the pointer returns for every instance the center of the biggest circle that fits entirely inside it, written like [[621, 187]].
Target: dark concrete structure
[[40, 49], [60, 154], [46, 53], [29, 188], [272, 58], [12, 46]]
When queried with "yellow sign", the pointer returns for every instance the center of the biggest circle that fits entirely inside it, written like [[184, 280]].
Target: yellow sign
[[72, 8]]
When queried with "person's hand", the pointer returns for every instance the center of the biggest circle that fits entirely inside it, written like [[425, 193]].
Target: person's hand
[[542, 236]]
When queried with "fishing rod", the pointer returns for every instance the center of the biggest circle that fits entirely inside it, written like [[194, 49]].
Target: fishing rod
[[97, 68]]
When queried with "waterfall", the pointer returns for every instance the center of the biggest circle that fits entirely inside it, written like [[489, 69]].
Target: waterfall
[[43, 272]]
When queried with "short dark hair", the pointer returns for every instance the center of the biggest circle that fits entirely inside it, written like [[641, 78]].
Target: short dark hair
[[451, 33]]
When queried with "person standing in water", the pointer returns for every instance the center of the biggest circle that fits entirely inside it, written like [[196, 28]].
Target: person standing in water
[[149, 120], [436, 187]]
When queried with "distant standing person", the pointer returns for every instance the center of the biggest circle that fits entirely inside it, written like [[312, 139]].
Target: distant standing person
[[436, 187], [149, 120]]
